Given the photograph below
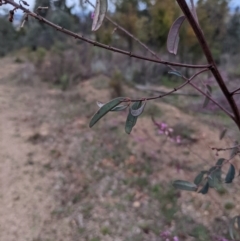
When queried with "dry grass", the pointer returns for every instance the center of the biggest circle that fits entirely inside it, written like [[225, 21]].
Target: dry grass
[[112, 186]]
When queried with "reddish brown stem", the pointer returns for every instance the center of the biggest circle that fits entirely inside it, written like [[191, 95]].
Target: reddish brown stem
[[234, 92], [199, 34], [188, 81], [157, 60], [129, 34], [156, 56], [95, 43]]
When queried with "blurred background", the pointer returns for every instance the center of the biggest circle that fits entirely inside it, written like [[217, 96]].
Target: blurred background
[[66, 181]]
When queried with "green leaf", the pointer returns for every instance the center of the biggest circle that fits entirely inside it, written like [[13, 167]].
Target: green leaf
[[214, 179], [184, 185], [206, 101], [231, 174], [120, 108], [234, 233], [215, 172], [132, 120], [198, 178], [238, 222], [117, 108], [175, 73], [209, 89], [231, 227], [173, 35], [209, 93], [25, 3], [234, 150], [222, 134], [138, 111], [99, 14], [205, 188], [220, 161], [105, 109]]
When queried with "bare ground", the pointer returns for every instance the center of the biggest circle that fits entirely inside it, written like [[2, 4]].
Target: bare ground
[[61, 180], [26, 193]]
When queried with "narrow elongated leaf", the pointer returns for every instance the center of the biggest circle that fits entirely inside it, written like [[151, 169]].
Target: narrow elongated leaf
[[117, 108], [25, 3], [231, 227], [176, 44], [120, 108], [206, 101], [100, 104], [99, 14], [215, 172], [222, 134], [214, 179], [205, 188], [220, 161], [234, 150], [175, 73], [139, 111], [211, 169], [132, 120], [232, 230], [238, 222], [231, 174], [105, 109], [184, 185], [209, 93], [173, 36], [198, 179], [209, 88]]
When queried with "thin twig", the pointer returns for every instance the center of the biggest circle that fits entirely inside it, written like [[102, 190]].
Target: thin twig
[[210, 98], [188, 81], [128, 33], [95, 43], [156, 56], [100, 45], [202, 41], [234, 92], [225, 149], [163, 92]]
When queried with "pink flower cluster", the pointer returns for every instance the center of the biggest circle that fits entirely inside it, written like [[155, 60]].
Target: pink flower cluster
[[167, 236], [163, 129]]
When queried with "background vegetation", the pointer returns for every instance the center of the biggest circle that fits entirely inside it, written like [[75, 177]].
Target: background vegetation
[[119, 189]]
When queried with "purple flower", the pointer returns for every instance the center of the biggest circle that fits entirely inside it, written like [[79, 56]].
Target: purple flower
[[175, 238], [163, 125], [165, 234], [160, 132], [178, 139]]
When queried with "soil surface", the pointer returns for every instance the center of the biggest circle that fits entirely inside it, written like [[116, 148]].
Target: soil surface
[[26, 194], [61, 180]]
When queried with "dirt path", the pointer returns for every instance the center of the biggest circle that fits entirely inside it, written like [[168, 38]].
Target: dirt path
[[26, 199]]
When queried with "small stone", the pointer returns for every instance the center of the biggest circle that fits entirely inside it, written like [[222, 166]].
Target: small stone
[[136, 204], [206, 213]]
